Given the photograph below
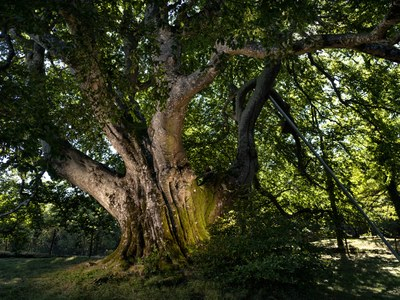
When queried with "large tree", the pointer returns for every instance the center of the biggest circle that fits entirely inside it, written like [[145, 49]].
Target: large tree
[[83, 81]]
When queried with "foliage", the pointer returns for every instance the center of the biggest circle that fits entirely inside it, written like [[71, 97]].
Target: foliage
[[259, 250], [59, 221]]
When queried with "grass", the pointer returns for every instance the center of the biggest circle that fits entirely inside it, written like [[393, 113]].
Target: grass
[[369, 273], [80, 278]]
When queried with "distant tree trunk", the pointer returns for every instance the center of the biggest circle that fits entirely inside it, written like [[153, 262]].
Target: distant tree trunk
[[53, 241], [336, 217], [394, 193], [91, 243], [96, 243]]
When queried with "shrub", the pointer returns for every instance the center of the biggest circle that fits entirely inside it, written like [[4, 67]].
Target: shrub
[[259, 252]]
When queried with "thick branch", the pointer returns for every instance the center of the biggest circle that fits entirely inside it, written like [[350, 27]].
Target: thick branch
[[381, 50], [89, 175], [366, 43], [182, 87], [241, 97], [374, 43], [124, 133], [392, 18], [246, 164], [186, 87], [167, 125]]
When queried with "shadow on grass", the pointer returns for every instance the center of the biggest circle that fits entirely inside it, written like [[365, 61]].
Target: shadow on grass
[[20, 277], [364, 278]]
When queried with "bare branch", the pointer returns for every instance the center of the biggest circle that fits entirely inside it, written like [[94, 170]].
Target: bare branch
[[328, 76], [274, 200], [255, 50]]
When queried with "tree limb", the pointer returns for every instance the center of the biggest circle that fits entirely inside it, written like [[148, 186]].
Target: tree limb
[[375, 42], [75, 166], [381, 50], [241, 97], [246, 164], [167, 124], [392, 18]]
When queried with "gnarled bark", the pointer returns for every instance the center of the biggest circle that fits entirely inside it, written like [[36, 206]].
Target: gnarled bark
[[169, 214]]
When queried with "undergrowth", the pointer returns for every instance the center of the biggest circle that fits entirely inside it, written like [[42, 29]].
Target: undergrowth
[[259, 255]]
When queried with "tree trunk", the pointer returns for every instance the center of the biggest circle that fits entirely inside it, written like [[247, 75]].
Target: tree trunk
[[91, 243], [53, 241], [394, 194], [336, 217], [158, 210]]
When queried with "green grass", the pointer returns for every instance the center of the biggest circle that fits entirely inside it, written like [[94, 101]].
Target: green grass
[[370, 273], [80, 278]]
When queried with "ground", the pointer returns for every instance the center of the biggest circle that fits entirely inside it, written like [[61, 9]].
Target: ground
[[370, 273]]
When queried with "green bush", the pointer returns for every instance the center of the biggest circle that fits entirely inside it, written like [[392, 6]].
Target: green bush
[[263, 252]]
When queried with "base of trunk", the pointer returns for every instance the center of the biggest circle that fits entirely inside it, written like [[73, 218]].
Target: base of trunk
[[164, 235]]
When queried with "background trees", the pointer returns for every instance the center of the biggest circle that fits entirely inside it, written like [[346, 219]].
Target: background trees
[[59, 221]]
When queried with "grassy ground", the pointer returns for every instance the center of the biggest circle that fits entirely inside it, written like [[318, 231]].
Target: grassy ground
[[370, 273]]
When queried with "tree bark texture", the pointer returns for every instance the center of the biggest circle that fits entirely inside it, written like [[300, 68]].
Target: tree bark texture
[[157, 209]]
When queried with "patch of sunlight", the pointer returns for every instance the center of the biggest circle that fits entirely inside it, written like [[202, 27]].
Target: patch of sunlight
[[392, 270], [15, 280], [71, 258]]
